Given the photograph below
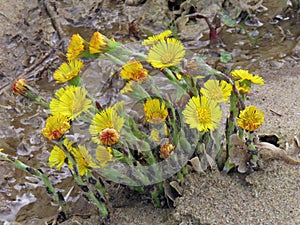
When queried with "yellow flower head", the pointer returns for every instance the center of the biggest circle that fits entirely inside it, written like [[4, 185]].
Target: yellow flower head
[[76, 47], [98, 43], [129, 86], [155, 111], [106, 126], [166, 149], [155, 135], [69, 145], [56, 126], [217, 91], [242, 87], [166, 53], [70, 101], [134, 70], [202, 114], [20, 87], [250, 118], [104, 155], [244, 75], [67, 71], [57, 158], [85, 162], [156, 38], [109, 136]]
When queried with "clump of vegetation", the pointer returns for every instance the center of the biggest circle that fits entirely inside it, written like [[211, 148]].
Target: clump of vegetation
[[165, 121]]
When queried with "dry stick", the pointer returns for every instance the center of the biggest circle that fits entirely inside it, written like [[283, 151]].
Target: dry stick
[[52, 15], [278, 114]]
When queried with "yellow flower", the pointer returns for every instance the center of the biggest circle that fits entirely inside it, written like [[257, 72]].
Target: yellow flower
[[119, 107], [166, 149], [1, 149], [166, 53], [106, 126], [244, 75], [166, 130], [242, 88], [202, 114], [103, 155], [128, 87], [67, 71], [57, 158], [134, 70], [156, 38], [98, 43], [56, 126], [85, 162], [154, 111], [20, 87], [155, 135], [217, 91], [70, 101], [109, 136], [76, 47], [250, 118], [69, 145]]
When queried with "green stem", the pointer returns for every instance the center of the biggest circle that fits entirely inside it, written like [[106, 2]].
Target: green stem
[[193, 88], [127, 51], [40, 101], [96, 183], [169, 74], [158, 189], [175, 135], [83, 185], [114, 59], [143, 137], [231, 121], [180, 177], [58, 198], [252, 150], [185, 170]]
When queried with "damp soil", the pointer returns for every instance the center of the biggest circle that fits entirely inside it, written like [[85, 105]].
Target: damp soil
[[33, 33]]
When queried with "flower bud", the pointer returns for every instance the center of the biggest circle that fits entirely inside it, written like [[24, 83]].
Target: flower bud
[[109, 136], [166, 149]]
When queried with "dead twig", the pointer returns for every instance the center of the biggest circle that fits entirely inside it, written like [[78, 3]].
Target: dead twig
[[53, 17], [278, 114]]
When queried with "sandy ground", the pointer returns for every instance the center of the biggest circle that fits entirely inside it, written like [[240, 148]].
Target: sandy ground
[[268, 196]]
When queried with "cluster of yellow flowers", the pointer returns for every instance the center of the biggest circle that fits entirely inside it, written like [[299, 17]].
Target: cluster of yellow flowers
[[202, 111]]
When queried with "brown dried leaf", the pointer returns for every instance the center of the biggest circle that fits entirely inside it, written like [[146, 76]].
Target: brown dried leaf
[[238, 153], [268, 151], [210, 160], [196, 164]]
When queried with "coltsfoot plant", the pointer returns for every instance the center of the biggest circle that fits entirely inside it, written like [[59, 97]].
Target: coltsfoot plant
[[167, 113]]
